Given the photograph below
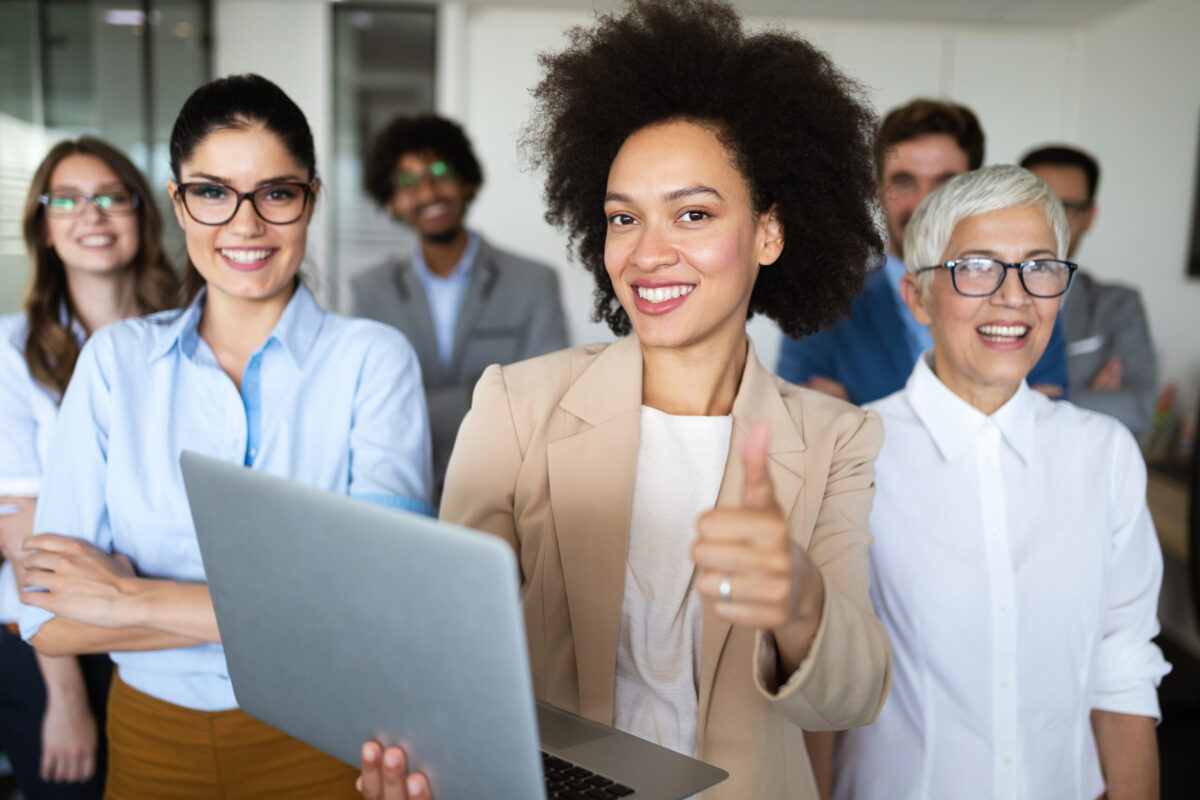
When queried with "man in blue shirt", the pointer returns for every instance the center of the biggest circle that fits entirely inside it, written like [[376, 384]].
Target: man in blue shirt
[[462, 303], [871, 353]]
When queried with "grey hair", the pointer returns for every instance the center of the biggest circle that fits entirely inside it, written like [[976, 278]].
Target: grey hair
[[981, 191]]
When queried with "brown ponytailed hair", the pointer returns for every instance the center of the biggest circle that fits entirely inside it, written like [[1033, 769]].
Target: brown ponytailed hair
[[51, 348]]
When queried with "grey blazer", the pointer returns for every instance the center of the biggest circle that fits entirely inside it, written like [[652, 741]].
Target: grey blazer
[[1101, 321], [511, 311]]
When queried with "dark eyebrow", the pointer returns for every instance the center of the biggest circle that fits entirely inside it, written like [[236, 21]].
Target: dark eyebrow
[[687, 191], [267, 182]]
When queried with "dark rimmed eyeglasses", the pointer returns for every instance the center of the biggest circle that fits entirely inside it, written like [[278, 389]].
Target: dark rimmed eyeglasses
[[64, 203], [216, 203], [980, 277], [435, 172]]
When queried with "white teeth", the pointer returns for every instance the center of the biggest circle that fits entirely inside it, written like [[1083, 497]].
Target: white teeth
[[245, 256], [434, 210], [1004, 331], [97, 241], [664, 293]]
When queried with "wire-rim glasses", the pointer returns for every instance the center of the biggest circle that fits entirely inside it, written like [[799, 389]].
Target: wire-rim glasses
[[209, 203], [65, 203], [980, 277]]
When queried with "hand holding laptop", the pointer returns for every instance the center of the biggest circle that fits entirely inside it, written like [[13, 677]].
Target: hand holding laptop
[[385, 775]]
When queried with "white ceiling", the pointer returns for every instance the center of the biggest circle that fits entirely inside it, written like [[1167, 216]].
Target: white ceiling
[[1056, 13]]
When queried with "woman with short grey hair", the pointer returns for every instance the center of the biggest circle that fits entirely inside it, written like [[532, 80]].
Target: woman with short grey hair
[[1015, 564]]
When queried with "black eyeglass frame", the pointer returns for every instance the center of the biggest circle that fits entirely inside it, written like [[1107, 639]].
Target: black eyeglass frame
[[90, 199], [1019, 266], [308, 189]]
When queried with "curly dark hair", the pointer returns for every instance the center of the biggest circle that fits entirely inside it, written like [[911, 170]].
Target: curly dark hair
[[441, 136], [797, 129]]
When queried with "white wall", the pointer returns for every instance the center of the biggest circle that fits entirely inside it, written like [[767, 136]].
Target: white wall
[[1140, 115], [1125, 88]]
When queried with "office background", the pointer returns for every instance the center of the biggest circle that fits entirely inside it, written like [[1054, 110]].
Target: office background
[[1116, 77]]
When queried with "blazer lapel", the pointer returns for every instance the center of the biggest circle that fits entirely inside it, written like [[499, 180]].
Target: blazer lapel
[[757, 399], [591, 495], [418, 322], [484, 274]]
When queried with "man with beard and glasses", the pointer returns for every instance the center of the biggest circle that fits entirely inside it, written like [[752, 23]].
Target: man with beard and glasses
[[871, 353], [462, 303]]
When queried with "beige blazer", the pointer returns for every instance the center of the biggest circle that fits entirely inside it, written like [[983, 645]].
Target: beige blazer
[[545, 459]]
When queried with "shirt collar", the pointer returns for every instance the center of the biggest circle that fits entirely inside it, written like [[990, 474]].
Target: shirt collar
[[296, 329], [461, 270], [953, 423]]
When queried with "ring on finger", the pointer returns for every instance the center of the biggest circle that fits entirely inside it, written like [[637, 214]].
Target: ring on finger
[[725, 589]]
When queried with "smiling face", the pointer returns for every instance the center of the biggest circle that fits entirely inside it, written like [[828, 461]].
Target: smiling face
[[246, 257], [91, 242], [435, 205], [683, 247], [911, 170], [985, 346]]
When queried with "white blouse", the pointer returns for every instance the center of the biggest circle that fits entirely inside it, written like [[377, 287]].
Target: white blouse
[[1017, 571], [681, 460]]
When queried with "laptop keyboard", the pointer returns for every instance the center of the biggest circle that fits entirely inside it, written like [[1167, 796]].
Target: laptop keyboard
[[572, 782]]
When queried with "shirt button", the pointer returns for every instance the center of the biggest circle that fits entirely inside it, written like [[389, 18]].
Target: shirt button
[[1006, 761], [1003, 608], [253, 452], [994, 532], [1003, 684]]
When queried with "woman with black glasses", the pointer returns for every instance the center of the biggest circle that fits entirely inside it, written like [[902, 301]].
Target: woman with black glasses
[[254, 372], [1015, 563]]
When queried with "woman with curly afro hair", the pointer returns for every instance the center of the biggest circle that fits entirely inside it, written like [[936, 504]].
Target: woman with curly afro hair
[[691, 530]]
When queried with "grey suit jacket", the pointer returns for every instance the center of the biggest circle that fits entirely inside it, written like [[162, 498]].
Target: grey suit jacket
[[511, 311], [1101, 321]]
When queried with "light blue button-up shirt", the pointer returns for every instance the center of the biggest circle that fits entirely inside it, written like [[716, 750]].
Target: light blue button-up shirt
[[326, 400], [445, 295]]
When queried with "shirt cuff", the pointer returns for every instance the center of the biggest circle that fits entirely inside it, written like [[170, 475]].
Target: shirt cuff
[[398, 502], [31, 620]]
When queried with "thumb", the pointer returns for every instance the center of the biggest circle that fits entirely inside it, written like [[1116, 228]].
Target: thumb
[[758, 491]]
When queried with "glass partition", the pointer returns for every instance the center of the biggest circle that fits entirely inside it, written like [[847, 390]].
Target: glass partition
[[383, 66]]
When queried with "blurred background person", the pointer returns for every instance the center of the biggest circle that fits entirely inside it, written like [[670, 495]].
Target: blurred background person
[[462, 302], [94, 238], [1110, 357], [1015, 563], [871, 353]]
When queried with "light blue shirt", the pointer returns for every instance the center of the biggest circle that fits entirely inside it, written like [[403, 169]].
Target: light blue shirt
[[28, 411], [445, 295], [329, 401], [915, 334]]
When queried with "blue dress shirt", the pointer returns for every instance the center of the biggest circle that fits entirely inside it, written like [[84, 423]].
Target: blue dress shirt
[[329, 401], [872, 351], [445, 295]]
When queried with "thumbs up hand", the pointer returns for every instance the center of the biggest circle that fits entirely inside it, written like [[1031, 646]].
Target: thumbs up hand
[[750, 567]]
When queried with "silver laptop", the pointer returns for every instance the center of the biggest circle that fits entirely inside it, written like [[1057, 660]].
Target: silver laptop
[[343, 622]]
